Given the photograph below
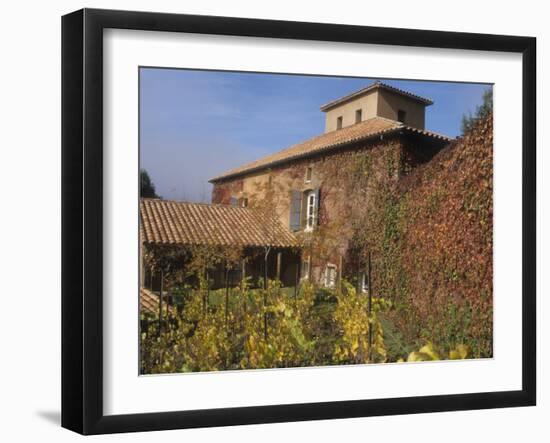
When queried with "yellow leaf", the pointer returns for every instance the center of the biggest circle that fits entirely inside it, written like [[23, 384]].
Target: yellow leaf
[[415, 356], [429, 351], [460, 353]]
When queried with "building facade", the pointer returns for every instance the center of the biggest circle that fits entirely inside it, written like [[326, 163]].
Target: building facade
[[319, 188]]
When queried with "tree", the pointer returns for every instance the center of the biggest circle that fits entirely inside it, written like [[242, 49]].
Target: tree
[[146, 185], [486, 107]]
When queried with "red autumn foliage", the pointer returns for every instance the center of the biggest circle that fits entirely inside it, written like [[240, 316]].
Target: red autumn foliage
[[443, 244]]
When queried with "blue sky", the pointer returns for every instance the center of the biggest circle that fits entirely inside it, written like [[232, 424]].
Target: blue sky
[[196, 124]]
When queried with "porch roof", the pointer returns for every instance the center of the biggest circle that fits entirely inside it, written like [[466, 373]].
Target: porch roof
[[149, 302], [167, 222]]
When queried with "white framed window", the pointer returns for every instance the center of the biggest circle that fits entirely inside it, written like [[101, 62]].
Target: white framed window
[[310, 210], [304, 274], [339, 122], [330, 276], [364, 282], [358, 116]]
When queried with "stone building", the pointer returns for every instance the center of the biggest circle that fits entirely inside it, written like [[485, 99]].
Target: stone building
[[316, 188]]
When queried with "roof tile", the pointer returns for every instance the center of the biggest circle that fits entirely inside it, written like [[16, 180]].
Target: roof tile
[[149, 302], [169, 222], [371, 87], [366, 129]]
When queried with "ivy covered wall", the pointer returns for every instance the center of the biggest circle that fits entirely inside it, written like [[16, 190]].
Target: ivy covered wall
[[431, 238]]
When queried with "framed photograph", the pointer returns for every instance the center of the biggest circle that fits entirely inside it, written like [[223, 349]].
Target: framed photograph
[[269, 221]]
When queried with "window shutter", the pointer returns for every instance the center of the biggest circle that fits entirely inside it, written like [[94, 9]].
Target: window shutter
[[303, 216], [295, 210], [318, 205], [233, 201]]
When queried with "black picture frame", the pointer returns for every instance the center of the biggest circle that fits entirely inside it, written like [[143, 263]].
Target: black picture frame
[[82, 232]]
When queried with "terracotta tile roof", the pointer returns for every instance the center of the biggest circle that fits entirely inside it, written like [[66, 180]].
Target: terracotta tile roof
[[370, 128], [149, 302], [372, 87], [179, 223]]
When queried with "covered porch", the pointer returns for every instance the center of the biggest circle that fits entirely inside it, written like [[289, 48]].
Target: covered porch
[[213, 247]]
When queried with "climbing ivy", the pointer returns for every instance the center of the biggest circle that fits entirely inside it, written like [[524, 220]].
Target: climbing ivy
[[430, 235]]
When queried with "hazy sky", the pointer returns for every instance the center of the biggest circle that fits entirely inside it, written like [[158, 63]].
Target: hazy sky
[[196, 124]]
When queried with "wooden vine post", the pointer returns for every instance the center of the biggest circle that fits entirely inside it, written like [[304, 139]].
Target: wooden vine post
[[340, 267], [226, 294], [206, 295], [369, 304], [265, 292], [297, 281], [160, 299]]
